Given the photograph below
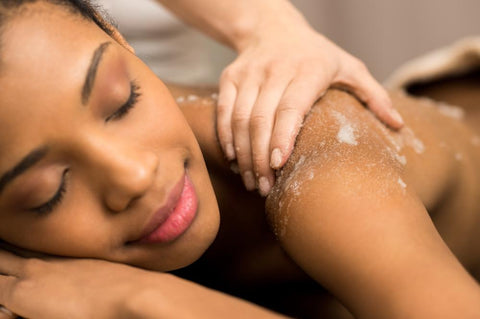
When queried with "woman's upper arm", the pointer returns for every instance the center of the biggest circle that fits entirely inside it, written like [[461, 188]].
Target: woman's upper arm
[[198, 105], [343, 213]]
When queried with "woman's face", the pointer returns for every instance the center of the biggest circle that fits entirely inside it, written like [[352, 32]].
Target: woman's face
[[96, 158]]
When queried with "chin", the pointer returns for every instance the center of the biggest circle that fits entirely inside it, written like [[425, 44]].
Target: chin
[[180, 259], [185, 250]]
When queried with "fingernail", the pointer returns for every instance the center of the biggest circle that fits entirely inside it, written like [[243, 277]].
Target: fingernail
[[276, 158], [397, 117], [249, 180], [234, 168], [264, 186], [230, 152]]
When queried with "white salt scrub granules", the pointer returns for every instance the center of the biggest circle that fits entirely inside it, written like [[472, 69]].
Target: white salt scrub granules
[[180, 99], [192, 98], [451, 111], [346, 133], [402, 183]]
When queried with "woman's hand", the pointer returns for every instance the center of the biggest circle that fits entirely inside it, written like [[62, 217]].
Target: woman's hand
[[57, 288], [267, 91], [85, 288]]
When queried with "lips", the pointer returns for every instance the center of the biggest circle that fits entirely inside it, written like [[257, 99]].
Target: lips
[[174, 218]]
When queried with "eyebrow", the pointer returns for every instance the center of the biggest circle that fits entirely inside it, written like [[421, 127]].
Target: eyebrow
[[92, 72], [28, 161], [38, 154]]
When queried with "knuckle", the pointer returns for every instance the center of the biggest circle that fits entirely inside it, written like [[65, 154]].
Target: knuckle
[[230, 74], [32, 266], [258, 121], [250, 68], [284, 139], [260, 162], [240, 119], [223, 133], [222, 109], [288, 108], [275, 69], [281, 138]]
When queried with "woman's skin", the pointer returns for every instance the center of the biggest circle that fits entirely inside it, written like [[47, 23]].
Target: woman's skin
[[336, 205], [126, 164], [359, 226]]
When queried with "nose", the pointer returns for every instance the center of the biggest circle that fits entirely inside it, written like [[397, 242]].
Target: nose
[[124, 172], [128, 179]]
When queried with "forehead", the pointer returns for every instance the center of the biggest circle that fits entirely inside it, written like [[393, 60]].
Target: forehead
[[47, 34], [45, 53]]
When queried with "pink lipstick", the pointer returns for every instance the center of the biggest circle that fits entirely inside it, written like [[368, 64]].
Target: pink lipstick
[[175, 217]]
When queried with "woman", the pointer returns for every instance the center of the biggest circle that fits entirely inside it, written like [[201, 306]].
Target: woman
[[99, 162]]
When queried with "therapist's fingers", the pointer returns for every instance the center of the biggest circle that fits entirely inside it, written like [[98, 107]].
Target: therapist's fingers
[[298, 99], [247, 95], [261, 127], [355, 77], [226, 101]]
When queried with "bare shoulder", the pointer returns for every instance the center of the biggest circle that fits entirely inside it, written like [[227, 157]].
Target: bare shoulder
[[342, 143], [351, 203]]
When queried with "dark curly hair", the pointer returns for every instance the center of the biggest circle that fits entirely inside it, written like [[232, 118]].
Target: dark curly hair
[[85, 8]]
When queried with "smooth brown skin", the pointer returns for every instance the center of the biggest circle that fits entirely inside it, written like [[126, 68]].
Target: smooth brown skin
[[352, 228], [436, 180], [354, 211]]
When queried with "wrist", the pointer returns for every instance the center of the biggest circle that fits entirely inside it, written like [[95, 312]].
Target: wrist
[[148, 300], [266, 20], [144, 304]]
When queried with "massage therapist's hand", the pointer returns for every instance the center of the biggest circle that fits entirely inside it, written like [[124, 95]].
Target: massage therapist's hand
[[67, 288], [282, 68], [266, 92]]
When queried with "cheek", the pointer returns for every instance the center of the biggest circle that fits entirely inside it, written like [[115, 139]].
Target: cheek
[[159, 120], [81, 228], [78, 230]]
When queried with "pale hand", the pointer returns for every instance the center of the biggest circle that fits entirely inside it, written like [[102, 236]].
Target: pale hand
[[267, 91]]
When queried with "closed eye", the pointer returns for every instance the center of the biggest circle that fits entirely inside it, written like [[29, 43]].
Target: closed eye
[[56, 200], [130, 104]]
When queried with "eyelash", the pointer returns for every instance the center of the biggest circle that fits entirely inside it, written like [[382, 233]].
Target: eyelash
[[130, 104], [49, 206]]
